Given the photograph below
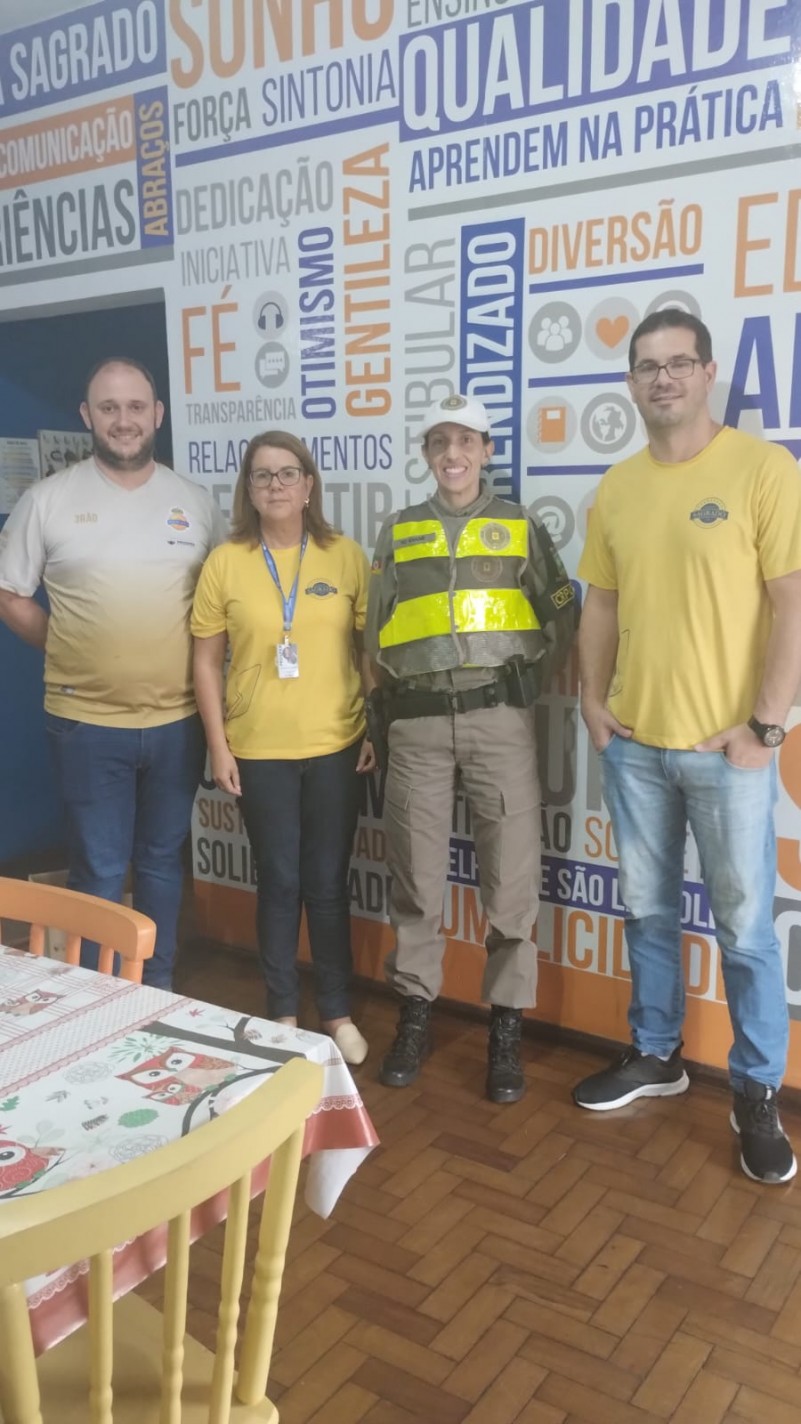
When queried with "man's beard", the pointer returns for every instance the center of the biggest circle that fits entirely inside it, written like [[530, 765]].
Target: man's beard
[[136, 461]]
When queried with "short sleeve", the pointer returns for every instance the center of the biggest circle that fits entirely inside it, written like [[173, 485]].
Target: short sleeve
[[779, 514], [597, 564], [208, 608], [23, 553]]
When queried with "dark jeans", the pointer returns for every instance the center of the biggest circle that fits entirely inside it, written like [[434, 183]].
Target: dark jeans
[[301, 818], [128, 795]]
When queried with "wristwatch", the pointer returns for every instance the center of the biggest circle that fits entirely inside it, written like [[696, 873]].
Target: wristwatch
[[769, 734]]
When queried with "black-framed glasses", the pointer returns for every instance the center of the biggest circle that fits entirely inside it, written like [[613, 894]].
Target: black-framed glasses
[[679, 368], [287, 475]]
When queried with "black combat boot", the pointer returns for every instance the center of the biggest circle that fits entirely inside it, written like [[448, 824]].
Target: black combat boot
[[412, 1044], [505, 1081]]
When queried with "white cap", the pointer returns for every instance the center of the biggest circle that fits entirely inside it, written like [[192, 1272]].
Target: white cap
[[460, 410]]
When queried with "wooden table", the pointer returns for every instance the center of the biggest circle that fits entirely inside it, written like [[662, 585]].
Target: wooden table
[[94, 1071]]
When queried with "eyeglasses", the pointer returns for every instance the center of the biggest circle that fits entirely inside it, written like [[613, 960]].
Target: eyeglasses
[[288, 475], [678, 368]]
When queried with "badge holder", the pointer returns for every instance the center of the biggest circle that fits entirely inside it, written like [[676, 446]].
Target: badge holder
[[286, 659], [286, 653]]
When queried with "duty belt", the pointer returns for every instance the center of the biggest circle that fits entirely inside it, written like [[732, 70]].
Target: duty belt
[[516, 687]]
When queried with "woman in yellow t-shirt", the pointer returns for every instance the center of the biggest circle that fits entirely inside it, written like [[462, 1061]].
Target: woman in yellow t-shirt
[[287, 595]]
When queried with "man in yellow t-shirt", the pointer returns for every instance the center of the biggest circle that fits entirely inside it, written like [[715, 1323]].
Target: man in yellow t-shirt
[[690, 649]]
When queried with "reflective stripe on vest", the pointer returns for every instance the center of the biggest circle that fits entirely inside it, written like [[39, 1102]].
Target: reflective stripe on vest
[[474, 611], [426, 539]]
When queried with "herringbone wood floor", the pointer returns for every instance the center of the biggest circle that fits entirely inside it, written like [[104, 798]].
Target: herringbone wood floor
[[532, 1264]]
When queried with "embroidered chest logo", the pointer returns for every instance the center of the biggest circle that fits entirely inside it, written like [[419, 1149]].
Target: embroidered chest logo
[[86, 519], [495, 537], [709, 512], [177, 519], [486, 570], [321, 589]]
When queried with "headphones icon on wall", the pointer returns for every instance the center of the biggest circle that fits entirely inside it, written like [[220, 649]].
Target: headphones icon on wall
[[264, 320]]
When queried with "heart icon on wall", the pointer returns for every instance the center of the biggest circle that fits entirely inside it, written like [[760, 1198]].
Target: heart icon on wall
[[609, 326], [612, 330]]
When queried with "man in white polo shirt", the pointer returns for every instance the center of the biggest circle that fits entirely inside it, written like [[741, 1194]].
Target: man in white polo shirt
[[118, 542]]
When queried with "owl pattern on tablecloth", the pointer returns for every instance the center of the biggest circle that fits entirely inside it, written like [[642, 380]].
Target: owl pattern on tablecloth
[[29, 1004], [21, 1166], [178, 1076]]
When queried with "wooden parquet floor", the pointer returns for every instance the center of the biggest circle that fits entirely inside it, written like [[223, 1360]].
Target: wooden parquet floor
[[532, 1264]]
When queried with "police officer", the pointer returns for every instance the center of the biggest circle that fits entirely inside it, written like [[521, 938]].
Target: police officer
[[469, 609]]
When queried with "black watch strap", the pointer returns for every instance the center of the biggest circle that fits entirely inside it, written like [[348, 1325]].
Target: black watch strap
[[769, 733]]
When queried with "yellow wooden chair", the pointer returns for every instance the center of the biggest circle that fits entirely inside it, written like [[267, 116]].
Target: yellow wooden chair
[[117, 929], [154, 1362]]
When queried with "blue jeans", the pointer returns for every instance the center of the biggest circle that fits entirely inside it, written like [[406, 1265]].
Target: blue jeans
[[128, 795], [651, 795], [300, 817]]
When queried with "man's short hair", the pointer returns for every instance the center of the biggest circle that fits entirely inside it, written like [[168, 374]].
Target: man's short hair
[[120, 361], [673, 317]]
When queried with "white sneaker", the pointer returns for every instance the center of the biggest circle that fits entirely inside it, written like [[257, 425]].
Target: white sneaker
[[351, 1044]]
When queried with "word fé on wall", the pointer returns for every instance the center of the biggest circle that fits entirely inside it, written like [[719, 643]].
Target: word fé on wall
[[228, 35]]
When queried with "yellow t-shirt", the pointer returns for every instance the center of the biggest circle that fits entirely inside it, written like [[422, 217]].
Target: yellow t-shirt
[[688, 547], [321, 710]]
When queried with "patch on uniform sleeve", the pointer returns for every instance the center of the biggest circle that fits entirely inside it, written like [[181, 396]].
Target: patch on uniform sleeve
[[563, 595]]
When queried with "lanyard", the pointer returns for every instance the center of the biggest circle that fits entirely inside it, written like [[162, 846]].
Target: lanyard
[[288, 602]]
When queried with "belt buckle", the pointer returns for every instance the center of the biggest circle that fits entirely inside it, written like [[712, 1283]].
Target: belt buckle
[[491, 694], [454, 697]]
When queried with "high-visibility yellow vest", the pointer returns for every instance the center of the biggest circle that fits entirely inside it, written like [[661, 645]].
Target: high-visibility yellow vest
[[459, 607]]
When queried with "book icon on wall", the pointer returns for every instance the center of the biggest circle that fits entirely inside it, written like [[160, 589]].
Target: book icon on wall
[[552, 424], [58, 449]]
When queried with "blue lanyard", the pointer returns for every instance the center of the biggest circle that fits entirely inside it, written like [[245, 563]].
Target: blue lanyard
[[289, 603]]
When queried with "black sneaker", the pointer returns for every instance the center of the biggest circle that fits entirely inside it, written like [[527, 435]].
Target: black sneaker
[[632, 1075], [765, 1152]]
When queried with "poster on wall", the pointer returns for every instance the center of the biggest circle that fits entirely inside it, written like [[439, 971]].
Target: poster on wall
[[19, 467], [355, 209], [60, 448]]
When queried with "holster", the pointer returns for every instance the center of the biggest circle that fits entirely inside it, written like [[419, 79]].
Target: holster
[[375, 712]]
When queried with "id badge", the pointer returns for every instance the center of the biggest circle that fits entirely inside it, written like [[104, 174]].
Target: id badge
[[286, 660]]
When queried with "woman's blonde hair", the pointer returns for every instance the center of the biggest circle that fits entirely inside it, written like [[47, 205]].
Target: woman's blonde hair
[[245, 525]]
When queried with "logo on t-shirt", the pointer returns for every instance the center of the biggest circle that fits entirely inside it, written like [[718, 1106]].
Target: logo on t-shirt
[[709, 512], [177, 519], [321, 589]]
